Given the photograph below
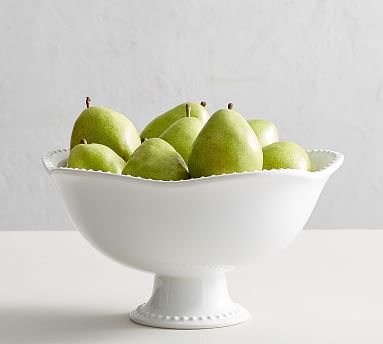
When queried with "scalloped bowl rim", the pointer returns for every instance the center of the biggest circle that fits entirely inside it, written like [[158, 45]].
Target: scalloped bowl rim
[[333, 164]]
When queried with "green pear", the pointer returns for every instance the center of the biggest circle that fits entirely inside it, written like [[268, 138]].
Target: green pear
[[95, 157], [285, 155], [156, 127], [226, 144], [107, 127], [182, 133], [156, 159], [265, 130]]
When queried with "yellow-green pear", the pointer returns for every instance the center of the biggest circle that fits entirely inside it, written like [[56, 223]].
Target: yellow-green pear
[[285, 155], [95, 157], [157, 126], [265, 130], [156, 159], [182, 133], [226, 144], [107, 127]]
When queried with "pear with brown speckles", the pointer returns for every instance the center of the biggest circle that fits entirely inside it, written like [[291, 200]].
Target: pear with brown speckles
[[96, 157], [158, 125], [226, 144], [156, 159], [181, 134], [107, 127], [285, 155]]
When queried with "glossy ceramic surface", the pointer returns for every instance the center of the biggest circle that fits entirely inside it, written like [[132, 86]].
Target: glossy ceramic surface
[[190, 233]]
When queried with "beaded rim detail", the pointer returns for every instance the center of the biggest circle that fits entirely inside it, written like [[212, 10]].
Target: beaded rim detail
[[150, 315]]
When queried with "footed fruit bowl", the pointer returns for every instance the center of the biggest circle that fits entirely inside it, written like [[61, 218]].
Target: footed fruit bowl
[[190, 233]]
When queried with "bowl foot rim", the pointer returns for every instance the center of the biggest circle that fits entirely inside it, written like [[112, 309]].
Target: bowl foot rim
[[190, 303], [236, 317]]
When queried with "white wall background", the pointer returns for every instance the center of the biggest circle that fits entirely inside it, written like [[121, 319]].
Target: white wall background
[[313, 67]]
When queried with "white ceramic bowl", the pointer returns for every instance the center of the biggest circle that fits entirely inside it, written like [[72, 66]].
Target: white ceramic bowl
[[190, 233]]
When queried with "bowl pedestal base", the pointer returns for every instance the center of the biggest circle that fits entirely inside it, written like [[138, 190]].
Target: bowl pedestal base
[[190, 303]]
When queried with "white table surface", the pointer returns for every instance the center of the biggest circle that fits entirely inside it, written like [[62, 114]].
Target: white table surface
[[327, 287]]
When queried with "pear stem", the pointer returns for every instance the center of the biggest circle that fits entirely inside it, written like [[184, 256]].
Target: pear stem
[[203, 103], [87, 102], [143, 139], [230, 106], [188, 110], [83, 141]]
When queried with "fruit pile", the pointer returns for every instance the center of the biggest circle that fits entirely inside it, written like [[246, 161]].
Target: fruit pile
[[180, 144]]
